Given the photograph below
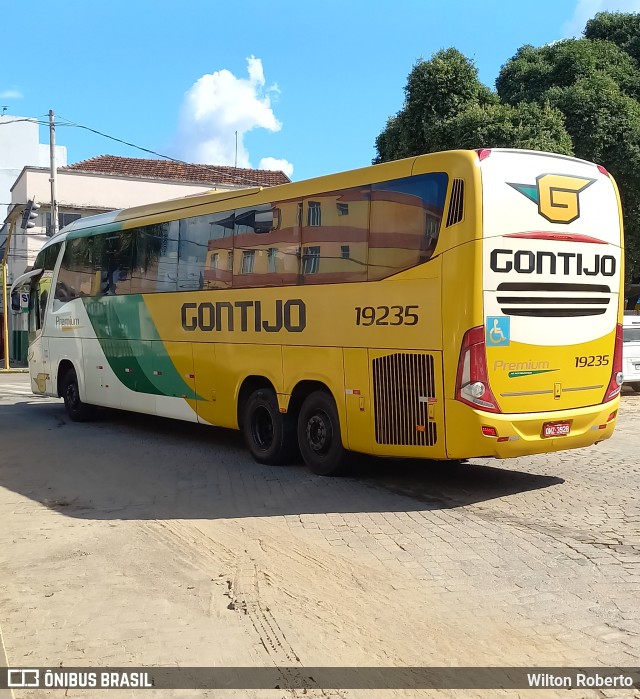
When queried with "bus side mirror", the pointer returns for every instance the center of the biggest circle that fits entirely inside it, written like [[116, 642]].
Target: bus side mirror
[[15, 302], [20, 300]]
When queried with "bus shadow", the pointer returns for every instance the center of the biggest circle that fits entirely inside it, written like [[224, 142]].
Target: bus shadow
[[131, 466]]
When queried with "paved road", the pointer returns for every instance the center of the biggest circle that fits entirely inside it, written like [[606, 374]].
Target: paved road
[[137, 540]]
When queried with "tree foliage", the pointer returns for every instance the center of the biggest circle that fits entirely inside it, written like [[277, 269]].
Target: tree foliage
[[619, 28], [446, 106], [578, 97]]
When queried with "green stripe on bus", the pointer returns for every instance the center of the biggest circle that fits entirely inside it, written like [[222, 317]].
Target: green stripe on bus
[[118, 319]]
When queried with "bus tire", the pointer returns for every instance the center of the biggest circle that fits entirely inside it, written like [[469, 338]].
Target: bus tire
[[268, 433], [319, 435], [76, 409]]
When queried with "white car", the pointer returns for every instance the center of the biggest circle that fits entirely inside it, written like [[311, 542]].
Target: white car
[[631, 350]]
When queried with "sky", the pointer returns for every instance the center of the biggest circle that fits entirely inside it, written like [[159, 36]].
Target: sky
[[300, 86]]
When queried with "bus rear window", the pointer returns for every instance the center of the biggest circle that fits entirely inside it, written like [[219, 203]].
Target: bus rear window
[[406, 216]]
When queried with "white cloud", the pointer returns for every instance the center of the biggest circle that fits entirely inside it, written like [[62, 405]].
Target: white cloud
[[217, 109], [11, 95], [276, 164], [586, 9]]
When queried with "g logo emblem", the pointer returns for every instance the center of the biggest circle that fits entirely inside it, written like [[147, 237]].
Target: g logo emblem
[[556, 195]]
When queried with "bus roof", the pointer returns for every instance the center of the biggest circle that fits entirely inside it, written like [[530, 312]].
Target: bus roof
[[352, 178]]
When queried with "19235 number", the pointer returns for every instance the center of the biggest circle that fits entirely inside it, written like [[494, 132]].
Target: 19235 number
[[386, 315], [592, 360]]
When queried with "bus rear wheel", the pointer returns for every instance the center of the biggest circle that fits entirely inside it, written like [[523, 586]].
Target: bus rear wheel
[[319, 435], [76, 409], [268, 433]]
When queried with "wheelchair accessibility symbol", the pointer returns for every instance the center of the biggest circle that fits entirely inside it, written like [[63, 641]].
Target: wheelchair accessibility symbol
[[497, 331]]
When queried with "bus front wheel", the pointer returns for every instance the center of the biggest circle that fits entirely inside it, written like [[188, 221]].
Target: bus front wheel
[[268, 433], [76, 409], [319, 435]]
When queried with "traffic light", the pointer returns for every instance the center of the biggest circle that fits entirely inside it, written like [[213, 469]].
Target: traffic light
[[30, 212]]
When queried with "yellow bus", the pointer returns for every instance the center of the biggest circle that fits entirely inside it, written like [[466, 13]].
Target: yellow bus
[[447, 306]]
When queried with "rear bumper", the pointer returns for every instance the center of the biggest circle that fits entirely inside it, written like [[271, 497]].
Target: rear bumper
[[523, 431]]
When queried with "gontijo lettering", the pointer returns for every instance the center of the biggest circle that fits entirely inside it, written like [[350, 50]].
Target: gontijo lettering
[[543, 262], [290, 315]]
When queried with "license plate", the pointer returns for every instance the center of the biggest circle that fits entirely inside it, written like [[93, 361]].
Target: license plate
[[555, 429]]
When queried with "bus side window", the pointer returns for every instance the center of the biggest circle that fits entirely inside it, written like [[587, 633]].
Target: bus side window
[[115, 263], [46, 259], [35, 320], [76, 274], [154, 262], [266, 245], [218, 266], [192, 252], [406, 217], [334, 236]]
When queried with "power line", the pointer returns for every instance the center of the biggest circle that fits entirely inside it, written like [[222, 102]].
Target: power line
[[208, 168]]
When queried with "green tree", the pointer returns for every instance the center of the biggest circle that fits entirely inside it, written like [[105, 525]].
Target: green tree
[[436, 89], [446, 107], [620, 28], [533, 71], [530, 126]]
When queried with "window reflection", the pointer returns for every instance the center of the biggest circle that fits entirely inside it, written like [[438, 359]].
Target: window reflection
[[155, 258], [267, 245], [218, 267], [405, 222], [350, 235], [334, 241]]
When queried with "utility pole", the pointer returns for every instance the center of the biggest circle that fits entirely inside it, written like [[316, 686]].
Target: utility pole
[[5, 303], [52, 178]]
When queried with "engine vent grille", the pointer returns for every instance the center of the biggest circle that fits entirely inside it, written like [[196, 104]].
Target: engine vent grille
[[553, 300], [403, 385], [456, 205]]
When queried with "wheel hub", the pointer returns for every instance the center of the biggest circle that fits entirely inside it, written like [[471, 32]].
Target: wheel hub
[[317, 433]]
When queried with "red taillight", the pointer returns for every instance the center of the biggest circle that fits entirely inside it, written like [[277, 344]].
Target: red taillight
[[472, 383], [603, 170], [483, 153], [615, 383], [488, 431]]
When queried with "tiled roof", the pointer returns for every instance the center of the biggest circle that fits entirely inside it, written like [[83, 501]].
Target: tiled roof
[[188, 172]]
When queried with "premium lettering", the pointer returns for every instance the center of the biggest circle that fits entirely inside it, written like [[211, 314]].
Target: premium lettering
[[544, 262], [290, 316]]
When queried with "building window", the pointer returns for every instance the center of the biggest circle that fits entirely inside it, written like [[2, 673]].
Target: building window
[[230, 261], [214, 261], [272, 256], [311, 259], [343, 209], [314, 217], [345, 252], [248, 257], [63, 220]]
